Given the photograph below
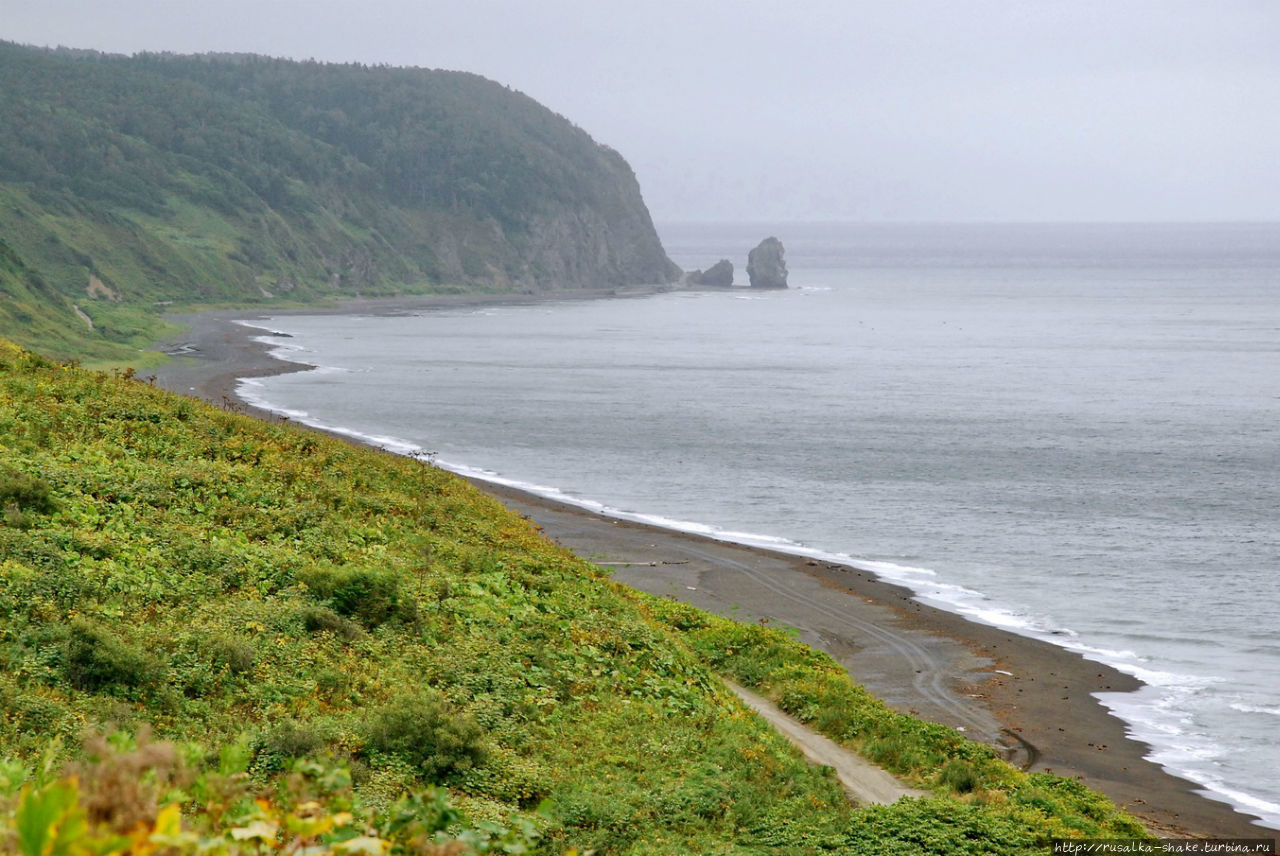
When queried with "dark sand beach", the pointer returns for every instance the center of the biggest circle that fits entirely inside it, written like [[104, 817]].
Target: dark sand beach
[[1031, 698]]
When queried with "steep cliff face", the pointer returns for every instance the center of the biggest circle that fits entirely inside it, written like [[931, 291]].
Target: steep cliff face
[[610, 240], [241, 178]]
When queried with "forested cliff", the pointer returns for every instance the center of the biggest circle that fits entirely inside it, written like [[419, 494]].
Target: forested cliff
[[127, 182]]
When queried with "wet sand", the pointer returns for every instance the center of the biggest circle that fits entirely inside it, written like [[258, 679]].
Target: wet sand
[[1030, 698]]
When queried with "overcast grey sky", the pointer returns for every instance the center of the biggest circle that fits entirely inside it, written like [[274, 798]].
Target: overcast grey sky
[[822, 109]]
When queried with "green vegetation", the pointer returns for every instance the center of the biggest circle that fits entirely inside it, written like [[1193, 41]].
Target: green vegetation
[[131, 183], [127, 798], [340, 645], [439, 742], [816, 690]]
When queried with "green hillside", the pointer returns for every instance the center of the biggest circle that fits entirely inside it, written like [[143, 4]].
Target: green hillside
[[331, 630], [222, 635], [130, 183]]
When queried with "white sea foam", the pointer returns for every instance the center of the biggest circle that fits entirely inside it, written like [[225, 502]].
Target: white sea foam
[[1265, 809], [1253, 708], [1157, 717], [286, 350], [250, 391]]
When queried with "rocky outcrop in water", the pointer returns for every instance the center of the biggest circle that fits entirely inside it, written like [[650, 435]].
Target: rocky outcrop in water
[[719, 275], [766, 267]]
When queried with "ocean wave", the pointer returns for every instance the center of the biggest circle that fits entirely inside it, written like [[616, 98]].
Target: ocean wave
[[1254, 708], [287, 351], [1265, 809], [251, 391], [1157, 717]]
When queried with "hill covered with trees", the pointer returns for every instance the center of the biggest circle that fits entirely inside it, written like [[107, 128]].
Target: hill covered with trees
[[132, 182]]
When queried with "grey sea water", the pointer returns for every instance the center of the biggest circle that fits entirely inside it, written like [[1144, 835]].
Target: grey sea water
[[1073, 431]]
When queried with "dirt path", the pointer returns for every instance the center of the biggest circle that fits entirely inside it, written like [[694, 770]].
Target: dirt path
[[864, 782]]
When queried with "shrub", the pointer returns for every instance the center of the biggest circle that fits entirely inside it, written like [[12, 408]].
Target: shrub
[[372, 597], [22, 496], [25, 493], [959, 776], [54, 583], [35, 713], [97, 660], [120, 788], [234, 654], [13, 516], [897, 752], [322, 619], [117, 800], [330, 683], [426, 732], [940, 827], [289, 741]]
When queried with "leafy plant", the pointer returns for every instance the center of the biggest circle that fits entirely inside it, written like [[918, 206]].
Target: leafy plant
[[959, 776], [322, 619], [27, 492], [235, 655], [373, 597], [290, 741], [22, 496], [427, 732], [121, 802], [98, 660]]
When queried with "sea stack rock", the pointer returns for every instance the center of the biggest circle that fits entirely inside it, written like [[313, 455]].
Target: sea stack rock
[[719, 275], [765, 266]]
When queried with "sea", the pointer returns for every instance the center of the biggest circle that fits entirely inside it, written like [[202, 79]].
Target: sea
[[1071, 431]]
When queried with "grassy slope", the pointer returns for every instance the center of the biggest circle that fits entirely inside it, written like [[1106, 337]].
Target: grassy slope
[[223, 579], [190, 255]]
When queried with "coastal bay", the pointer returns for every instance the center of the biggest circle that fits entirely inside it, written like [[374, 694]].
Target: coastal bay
[[1031, 697]]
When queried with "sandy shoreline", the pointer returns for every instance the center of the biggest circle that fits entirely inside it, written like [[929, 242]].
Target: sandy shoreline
[[1027, 696]]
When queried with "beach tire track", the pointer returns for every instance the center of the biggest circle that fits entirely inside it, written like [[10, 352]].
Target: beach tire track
[[1019, 751]]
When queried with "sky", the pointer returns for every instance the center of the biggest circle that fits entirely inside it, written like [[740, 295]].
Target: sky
[[896, 110]]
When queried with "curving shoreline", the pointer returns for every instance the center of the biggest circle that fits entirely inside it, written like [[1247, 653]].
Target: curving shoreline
[[1030, 696]]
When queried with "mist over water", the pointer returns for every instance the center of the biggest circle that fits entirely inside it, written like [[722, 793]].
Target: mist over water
[[1070, 430]]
